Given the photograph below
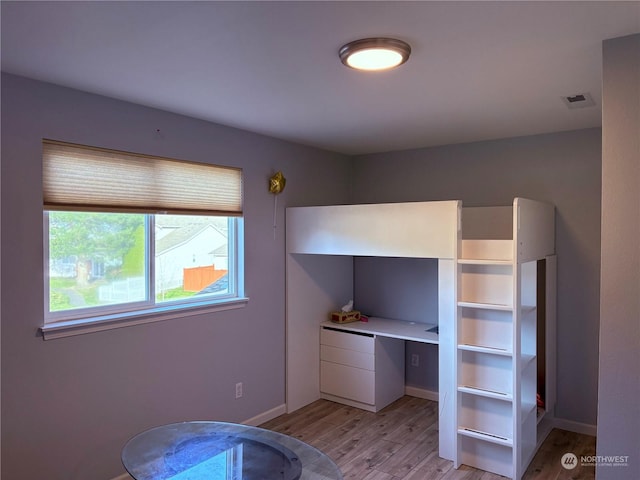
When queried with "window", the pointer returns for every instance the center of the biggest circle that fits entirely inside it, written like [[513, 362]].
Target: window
[[109, 254]]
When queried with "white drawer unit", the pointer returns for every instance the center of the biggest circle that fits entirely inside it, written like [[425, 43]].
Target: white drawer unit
[[355, 341], [360, 369]]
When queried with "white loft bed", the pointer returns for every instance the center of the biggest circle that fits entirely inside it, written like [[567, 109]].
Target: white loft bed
[[487, 259]]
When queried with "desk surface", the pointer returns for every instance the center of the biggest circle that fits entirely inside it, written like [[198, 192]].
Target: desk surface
[[385, 327], [220, 451]]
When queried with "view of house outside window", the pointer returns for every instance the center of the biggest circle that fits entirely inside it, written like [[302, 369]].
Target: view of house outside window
[[101, 262]]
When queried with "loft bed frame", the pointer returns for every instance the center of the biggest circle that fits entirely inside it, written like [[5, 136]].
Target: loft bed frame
[[496, 283]]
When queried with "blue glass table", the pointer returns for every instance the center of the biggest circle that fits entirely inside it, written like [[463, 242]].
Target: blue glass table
[[223, 451]]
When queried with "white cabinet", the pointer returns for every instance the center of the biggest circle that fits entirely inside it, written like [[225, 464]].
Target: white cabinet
[[360, 369]]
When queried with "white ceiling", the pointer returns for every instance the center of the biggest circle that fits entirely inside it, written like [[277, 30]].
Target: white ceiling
[[479, 70]]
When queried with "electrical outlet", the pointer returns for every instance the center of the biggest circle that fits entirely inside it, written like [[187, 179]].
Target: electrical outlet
[[238, 389], [415, 360]]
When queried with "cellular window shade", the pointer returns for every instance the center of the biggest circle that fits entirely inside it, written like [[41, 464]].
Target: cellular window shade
[[76, 177]]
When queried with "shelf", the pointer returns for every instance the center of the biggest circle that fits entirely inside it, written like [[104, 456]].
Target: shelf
[[486, 306], [484, 349], [480, 392], [486, 436], [481, 261], [540, 413]]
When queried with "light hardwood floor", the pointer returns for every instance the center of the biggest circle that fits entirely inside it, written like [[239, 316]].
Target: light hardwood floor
[[401, 443]]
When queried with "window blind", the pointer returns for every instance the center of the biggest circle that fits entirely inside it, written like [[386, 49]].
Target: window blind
[[81, 178]]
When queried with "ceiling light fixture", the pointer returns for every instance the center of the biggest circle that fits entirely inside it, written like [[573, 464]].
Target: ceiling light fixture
[[373, 54]]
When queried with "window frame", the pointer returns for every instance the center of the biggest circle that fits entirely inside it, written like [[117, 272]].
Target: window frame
[[85, 320]]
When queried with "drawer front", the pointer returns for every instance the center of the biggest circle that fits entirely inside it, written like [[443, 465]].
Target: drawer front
[[350, 358], [347, 382], [349, 341]]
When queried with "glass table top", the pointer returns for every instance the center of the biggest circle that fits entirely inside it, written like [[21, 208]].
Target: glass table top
[[223, 451]]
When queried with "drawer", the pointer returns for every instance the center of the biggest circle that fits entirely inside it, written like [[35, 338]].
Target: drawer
[[347, 382], [347, 357], [346, 340]]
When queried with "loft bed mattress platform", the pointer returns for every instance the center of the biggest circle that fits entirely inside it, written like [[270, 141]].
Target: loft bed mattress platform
[[419, 229]]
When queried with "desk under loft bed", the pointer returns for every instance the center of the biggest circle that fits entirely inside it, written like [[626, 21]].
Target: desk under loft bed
[[495, 319]]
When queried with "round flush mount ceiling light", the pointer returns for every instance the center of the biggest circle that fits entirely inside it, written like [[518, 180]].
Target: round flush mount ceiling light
[[375, 53]]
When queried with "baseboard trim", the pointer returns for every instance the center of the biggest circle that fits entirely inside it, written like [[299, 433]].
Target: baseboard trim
[[576, 427], [266, 416], [421, 393]]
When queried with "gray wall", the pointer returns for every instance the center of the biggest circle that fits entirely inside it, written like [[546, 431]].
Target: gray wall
[[619, 404], [68, 405], [563, 169], [404, 289]]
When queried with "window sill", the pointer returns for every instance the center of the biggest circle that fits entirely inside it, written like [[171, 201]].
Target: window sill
[[82, 326]]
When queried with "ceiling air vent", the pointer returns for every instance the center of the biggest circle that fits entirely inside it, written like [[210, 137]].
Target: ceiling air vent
[[580, 100]]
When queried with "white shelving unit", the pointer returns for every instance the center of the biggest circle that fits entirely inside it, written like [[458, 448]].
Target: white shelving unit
[[496, 331], [496, 317], [485, 357]]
